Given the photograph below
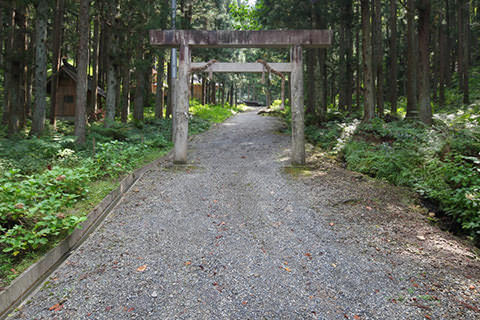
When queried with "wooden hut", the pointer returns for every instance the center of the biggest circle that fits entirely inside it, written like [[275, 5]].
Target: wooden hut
[[67, 90]]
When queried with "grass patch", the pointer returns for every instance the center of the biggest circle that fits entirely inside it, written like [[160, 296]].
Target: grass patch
[[298, 171]]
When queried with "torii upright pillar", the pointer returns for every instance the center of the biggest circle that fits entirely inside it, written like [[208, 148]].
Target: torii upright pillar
[[298, 110], [187, 39]]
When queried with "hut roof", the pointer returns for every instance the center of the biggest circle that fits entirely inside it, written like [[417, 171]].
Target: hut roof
[[71, 72]]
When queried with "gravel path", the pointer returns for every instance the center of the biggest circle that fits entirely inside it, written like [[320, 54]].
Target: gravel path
[[237, 234]]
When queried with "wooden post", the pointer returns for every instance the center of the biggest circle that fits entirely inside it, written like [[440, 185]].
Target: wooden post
[[181, 106], [298, 138]]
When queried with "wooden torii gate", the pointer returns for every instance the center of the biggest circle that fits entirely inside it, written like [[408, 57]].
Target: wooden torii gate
[[187, 39]]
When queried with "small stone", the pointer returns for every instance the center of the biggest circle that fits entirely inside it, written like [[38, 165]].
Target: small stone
[[422, 238], [154, 294]]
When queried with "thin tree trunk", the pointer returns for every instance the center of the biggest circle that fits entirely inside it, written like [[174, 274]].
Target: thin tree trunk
[[345, 59], [17, 71], [424, 67], [111, 95], [140, 88], [111, 42], [81, 94], [125, 92], [443, 63], [159, 91], [412, 56], [38, 121], [223, 94], [96, 51], [369, 87], [168, 112], [378, 57], [393, 72], [463, 55], [358, 66], [57, 35], [310, 62]]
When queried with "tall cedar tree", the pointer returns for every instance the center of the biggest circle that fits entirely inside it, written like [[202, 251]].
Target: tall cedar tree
[[81, 93]]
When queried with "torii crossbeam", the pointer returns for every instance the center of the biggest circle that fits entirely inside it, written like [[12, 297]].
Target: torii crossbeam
[[186, 39]]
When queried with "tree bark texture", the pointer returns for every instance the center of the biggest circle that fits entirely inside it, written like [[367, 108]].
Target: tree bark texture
[[38, 121], [159, 90], [81, 94], [378, 58], [393, 72], [368, 83], [424, 8], [412, 56], [57, 35]]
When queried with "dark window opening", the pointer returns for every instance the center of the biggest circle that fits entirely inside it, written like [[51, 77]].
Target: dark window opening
[[68, 99]]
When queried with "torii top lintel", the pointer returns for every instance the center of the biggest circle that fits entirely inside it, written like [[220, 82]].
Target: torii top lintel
[[242, 39]]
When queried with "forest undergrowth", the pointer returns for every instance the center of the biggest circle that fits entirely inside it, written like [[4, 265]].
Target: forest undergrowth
[[49, 184]]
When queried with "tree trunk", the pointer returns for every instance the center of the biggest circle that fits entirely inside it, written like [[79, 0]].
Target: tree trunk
[[369, 87], [57, 35], [112, 76], [443, 63], [38, 121], [462, 50], [393, 72], [345, 59], [310, 61], [17, 70], [111, 95], [125, 92], [424, 75], [81, 94], [95, 57], [223, 94], [7, 41], [168, 112], [412, 56], [358, 66], [140, 88], [378, 57], [159, 91]]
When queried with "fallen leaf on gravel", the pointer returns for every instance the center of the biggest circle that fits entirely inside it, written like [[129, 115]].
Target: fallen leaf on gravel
[[136, 190], [421, 306], [288, 269], [131, 309], [334, 265], [142, 268], [356, 317], [56, 307], [472, 287], [466, 305], [244, 302], [428, 317], [308, 254], [332, 224], [108, 308], [368, 208]]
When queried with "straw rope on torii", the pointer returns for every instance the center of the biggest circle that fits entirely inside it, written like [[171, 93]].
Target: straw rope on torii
[[281, 75], [203, 68]]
